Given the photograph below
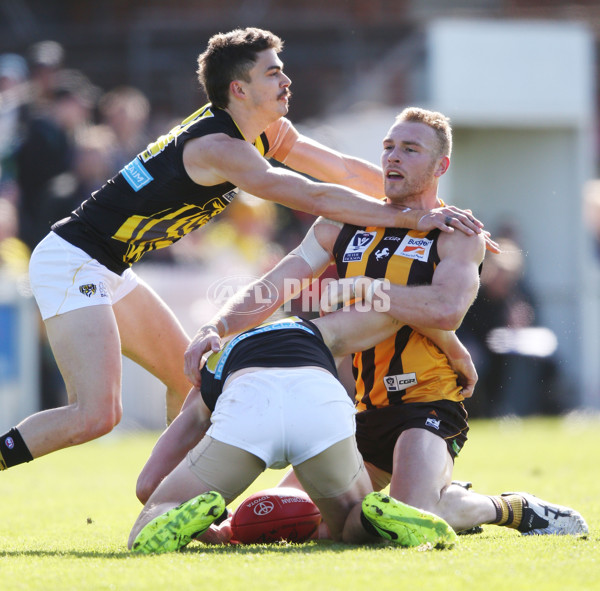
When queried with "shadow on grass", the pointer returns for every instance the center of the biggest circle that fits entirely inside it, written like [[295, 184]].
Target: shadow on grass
[[195, 549]]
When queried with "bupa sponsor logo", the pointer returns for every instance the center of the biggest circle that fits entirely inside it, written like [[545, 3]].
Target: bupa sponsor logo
[[435, 423], [400, 382], [414, 248], [357, 246]]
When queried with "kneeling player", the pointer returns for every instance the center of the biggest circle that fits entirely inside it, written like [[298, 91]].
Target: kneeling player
[[275, 401]]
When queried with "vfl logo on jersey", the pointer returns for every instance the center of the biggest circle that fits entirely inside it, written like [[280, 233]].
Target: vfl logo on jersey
[[382, 253], [400, 382], [358, 245], [435, 423], [89, 289], [414, 248]]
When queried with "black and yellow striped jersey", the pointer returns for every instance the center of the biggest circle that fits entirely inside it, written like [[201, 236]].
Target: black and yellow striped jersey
[[406, 367], [291, 342], [152, 202]]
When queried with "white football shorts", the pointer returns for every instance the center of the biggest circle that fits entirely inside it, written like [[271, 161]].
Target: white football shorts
[[65, 278], [283, 415]]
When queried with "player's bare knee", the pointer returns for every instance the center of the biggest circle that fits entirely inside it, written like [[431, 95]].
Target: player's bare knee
[[89, 426], [145, 486]]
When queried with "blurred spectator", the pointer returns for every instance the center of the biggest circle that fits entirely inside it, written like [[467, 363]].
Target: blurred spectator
[[93, 163], [14, 254], [49, 186], [513, 356], [46, 158], [13, 114], [126, 110], [46, 60]]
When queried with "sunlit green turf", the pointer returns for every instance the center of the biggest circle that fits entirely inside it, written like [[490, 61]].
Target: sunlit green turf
[[65, 519]]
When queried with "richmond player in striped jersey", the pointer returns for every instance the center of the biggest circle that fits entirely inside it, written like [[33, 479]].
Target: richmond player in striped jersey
[[411, 422]]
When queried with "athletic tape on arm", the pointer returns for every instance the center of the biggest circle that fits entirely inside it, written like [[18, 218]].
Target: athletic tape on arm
[[313, 253]]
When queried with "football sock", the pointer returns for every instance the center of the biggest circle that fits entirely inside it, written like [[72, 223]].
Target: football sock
[[13, 450], [509, 510]]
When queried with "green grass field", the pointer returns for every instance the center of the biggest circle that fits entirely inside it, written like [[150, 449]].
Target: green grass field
[[65, 521]]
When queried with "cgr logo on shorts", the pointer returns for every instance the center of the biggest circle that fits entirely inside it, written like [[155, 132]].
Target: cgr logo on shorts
[[358, 245], [89, 289], [435, 423], [400, 382]]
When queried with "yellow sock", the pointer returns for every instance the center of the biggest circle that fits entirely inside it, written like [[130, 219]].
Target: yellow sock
[[509, 510]]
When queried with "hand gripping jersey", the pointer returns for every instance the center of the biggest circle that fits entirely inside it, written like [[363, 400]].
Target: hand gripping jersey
[[152, 202], [406, 367], [292, 342]]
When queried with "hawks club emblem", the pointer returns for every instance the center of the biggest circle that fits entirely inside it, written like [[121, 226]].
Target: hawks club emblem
[[89, 289]]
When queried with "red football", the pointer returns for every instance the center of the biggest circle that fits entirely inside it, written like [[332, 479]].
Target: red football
[[275, 514]]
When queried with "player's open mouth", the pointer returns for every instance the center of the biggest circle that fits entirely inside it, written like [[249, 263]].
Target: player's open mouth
[[394, 175]]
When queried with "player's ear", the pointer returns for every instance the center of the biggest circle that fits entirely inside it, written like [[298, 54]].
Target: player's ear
[[442, 166], [237, 89]]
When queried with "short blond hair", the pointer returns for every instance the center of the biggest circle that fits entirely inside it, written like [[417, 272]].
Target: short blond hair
[[437, 121]]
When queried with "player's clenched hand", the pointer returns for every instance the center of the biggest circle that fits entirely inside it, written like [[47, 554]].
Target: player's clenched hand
[[206, 339], [467, 374]]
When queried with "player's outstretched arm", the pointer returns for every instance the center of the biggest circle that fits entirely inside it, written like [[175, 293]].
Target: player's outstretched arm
[[286, 280], [350, 330], [227, 159], [242, 311], [181, 435], [442, 304], [321, 162]]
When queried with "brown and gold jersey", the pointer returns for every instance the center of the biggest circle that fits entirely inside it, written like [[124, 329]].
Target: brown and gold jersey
[[406, 367]]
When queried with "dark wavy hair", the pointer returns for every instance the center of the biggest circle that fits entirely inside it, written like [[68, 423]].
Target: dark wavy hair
[[230, 56]]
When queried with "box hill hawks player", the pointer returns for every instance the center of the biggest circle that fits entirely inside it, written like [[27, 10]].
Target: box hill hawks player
[[411, 422]]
